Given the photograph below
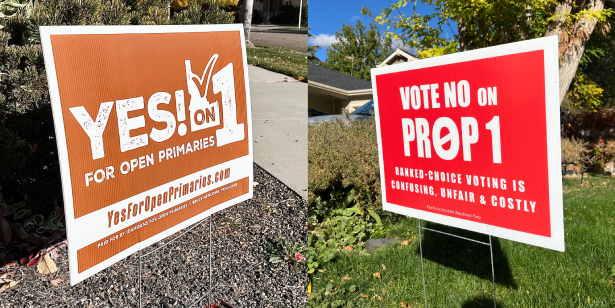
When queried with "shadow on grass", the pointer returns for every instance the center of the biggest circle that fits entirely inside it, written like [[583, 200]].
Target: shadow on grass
[[477, 302], [466, 256]]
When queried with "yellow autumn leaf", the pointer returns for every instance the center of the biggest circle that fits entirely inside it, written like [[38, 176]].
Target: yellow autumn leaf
[[179, 4], [346, 278], [377, 275], [404, 243], [310, 287], [8, 285], [46, 265]]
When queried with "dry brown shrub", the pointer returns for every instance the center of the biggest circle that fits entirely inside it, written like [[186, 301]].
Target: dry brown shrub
[[344, 153], [609, 149], [576, 151]]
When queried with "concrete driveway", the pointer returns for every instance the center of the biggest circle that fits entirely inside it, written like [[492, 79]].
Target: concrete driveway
[[279, 119]]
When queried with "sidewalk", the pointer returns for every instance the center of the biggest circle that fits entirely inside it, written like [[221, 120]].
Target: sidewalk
[[279, 119]]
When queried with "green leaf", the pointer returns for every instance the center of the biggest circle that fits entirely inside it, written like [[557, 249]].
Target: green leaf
[[351, 211], [52, 215], [22, 233], [29, 224], [18, 205], [20, 214], [375, 215], [49, 225], [5, 227], [38, 219], [350, 196]]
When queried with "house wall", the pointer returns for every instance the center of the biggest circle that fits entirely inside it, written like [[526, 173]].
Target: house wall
[[325, 103], [353, 105], [333, 105], [400, 60]]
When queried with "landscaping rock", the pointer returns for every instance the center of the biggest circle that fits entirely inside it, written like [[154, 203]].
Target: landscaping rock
[[177, 274], [609, 169], [376, 243]]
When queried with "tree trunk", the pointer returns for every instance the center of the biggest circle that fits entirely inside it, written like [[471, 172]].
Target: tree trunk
[[572, 39], [464, 41], [247, 21]]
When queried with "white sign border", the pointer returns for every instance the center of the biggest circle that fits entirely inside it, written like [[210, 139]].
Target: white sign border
[[550, 47], [46, 33]]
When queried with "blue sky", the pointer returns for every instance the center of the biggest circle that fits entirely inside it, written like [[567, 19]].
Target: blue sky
[[326, 17]]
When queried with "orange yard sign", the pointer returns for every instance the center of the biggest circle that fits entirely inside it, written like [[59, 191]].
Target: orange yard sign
[[153, 128]]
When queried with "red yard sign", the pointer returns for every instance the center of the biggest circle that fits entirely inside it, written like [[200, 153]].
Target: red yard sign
[[472, 140]]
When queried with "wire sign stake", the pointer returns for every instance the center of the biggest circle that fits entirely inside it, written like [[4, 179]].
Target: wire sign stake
[[210, 288], [490, 244]]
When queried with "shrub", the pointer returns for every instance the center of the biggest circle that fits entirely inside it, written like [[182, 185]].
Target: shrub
[[587, 156], [343, 155], [343, 230], [602, 153], [344, 188], [578, 152], [590, 126], [30, 187]]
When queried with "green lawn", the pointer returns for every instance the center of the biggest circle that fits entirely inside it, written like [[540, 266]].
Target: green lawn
[[458, 273], [281, 60]]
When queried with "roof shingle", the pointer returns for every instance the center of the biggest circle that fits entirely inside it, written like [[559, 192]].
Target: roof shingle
[[336, 79]]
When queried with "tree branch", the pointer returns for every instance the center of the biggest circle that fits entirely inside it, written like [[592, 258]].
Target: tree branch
[[572, 39]]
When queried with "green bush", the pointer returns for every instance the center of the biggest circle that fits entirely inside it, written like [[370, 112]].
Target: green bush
[[342, 230], [344, 189], [343, 155], [602, 152], [31, 206]]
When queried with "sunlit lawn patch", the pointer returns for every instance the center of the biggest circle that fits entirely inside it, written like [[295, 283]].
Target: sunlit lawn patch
[[281, 60], [458, 273]]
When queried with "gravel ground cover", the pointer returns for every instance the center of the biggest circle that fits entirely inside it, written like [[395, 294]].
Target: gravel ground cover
[[175, 271]]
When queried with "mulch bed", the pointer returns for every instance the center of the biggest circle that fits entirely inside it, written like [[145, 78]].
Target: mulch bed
[[176, 272]]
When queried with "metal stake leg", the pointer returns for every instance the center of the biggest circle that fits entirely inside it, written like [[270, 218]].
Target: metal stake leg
[[492, 270], [140, 283], [422, 268], [210, 271], [465, 238]]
